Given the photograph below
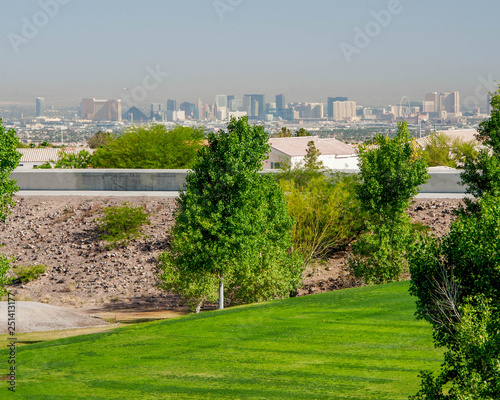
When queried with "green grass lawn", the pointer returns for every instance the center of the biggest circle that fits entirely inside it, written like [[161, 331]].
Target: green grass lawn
[[352, 344]]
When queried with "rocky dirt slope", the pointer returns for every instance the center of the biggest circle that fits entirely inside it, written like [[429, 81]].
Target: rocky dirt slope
[[60, 233]]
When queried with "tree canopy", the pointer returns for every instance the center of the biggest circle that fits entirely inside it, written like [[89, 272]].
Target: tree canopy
[[9, 161], [391, 171], [153, 147], [232, 227]]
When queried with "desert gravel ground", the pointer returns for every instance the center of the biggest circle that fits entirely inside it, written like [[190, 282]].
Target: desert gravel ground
[[59, 232]]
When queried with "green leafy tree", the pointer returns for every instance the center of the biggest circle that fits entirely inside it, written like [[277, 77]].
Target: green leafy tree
[[303, 172], [457, 284], [9, 160], [302, 132], [482, 174], [80, 160], [151, 147], [285, 132], [232, 229], [391, 172], [100, 139]]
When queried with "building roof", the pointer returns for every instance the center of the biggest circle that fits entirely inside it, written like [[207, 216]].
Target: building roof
[[297, 146], [47, 154]]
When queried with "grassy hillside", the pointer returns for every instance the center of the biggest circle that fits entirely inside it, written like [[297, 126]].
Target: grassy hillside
[[352, 344]]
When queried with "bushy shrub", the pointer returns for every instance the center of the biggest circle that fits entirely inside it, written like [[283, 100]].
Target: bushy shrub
[[4, 270], [442, 150], [327, 214], [151, 147], [120, 224], [81, 160], [28, 273]]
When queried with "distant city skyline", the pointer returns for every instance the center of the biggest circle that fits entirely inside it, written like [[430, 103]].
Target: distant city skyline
[[372, 51]]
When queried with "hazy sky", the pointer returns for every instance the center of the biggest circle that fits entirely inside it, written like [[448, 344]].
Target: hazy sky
[[95, 48]]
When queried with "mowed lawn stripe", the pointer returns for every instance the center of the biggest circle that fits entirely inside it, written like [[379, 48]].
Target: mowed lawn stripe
[[359, 343]]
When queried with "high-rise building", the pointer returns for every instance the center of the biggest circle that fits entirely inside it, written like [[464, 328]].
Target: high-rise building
[[317, 110], [431, 103], [189, 109], [332, 100], [102, 110], [221, 100], [280, 102], [40, 107], [449, 102], [235, 105], [171, 105], [344, 109], [254, 105]]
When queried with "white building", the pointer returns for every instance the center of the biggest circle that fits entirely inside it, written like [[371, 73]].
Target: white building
[[344, 109], [333, 153]]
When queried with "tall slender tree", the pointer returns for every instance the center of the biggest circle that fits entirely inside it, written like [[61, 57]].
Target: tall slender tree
[[232, 229]]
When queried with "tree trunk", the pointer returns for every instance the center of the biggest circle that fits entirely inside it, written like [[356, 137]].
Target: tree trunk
[[221, 293], [198, 307]]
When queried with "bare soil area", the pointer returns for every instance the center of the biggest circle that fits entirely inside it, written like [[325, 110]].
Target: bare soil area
[[60, 233]]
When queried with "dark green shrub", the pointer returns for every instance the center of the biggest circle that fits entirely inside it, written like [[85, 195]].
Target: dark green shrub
[[28, 273], [120, 224]]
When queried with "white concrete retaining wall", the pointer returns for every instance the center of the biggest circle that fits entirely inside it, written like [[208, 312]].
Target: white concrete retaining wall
[[443, 181]]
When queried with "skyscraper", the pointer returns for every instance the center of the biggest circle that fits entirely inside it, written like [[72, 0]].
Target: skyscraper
[[40, 107], [449, 102], [280, 102], [254, 105], [189, 109], [332, 100], [344, 109], [221, 101], [431, 102], [171, 105]]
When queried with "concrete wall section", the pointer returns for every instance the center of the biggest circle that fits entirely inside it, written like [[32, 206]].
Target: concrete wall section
[[102, 179], [442, 181]]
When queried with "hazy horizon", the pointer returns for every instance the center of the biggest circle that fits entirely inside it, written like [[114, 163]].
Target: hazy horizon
[[189, 50]]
